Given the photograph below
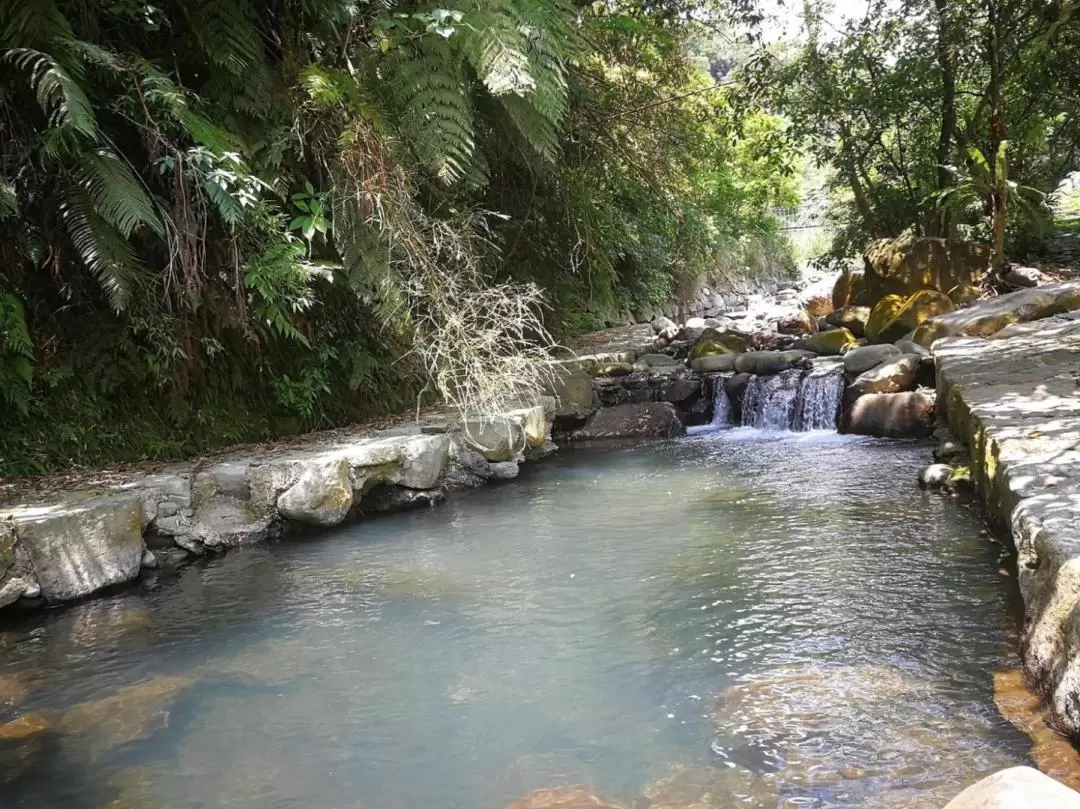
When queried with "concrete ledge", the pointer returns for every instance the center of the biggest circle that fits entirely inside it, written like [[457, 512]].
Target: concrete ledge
[[1014, 400]]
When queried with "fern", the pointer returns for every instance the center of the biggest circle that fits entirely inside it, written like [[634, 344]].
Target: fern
[[63, 100], [100, 247], [497, 50], [116, 193], [226, 33], [437, 114]]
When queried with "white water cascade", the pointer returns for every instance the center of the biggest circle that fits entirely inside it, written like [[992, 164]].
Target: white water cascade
[[721, 414], [795, 400]]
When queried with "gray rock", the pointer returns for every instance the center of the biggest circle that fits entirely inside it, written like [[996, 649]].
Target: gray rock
[[149, 560], [911, 347], [1023, 277], [322, 496], [651, 419], [505, 436], [658, 360], [761, 363], [504, 470], [890, 415], [1016, 788], [860, 360], [399, 498], [167, 509], [467, 468], [894, 376], [77, 548], [662, 323], [935, 476], [713, 363]]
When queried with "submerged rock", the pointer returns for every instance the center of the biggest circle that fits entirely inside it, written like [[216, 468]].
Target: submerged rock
[[30, 724], [576, 796], [134, 712], [651, 419]]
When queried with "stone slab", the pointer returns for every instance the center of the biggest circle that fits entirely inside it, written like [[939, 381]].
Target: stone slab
[[1014, 401], [1016, 788]]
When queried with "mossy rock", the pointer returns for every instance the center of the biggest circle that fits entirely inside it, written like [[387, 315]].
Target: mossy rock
[[895, 316], [708, 348], [611, 369], [728, 339], [833, 341]]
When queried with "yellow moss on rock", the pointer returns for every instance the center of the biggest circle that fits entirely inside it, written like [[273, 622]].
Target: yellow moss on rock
[[894, 316], [833, 341]]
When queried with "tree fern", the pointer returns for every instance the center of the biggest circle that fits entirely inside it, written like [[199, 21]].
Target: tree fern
[[436, 112], [495, 46], [226, 33]]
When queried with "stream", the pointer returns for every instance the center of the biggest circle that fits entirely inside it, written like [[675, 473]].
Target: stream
[[733, 619]]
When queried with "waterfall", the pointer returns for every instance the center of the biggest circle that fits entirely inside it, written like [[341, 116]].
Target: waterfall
[[721, 414], [769, 402], [819, 398], [795, 399]]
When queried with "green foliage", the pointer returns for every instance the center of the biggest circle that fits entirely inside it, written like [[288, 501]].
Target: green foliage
[[223, 220]]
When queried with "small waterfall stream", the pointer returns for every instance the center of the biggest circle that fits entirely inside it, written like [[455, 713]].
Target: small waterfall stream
[[795, 400], [722, 410]]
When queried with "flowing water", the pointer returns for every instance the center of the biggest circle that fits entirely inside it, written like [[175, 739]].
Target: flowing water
[[731, 619], [796, 399]]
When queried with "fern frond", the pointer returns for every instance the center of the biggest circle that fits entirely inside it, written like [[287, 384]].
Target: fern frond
[[497, 50], [437, 114], [538, 131], [61, 97], [117, 194], [226, 33], [32, 25], [105, 253]]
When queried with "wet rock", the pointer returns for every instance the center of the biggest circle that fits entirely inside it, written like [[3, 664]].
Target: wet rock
[[612, 369], [767, 340], [30, 724], [658, 360], [77, 548], [576, 796], [852, 318], [652, 420], [890, 415], [692, 328], [17, 578], [892, 376], [504, 470], [862, 359], [935, 476], [467, 468], [948, 449], [735, 387], [831, 342], [762, 363], [322, 496], [503, 437], [714, 363], [399, 498], [661, 324], [1016, 788], [1051, 752], [134, 712], [14, 688]]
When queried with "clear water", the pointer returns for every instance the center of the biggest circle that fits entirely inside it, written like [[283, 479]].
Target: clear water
[[731, 619]]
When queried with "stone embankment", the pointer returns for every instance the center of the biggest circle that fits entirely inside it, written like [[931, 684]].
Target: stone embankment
[[71, 545]]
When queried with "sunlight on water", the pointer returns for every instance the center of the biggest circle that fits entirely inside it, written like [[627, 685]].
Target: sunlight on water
[[735, 619]]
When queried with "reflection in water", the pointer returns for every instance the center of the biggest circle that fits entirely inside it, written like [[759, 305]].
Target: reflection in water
[[728, 620], [1051, 752]]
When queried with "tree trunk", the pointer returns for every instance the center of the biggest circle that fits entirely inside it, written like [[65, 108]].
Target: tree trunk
[[946, 58], [998, 200]]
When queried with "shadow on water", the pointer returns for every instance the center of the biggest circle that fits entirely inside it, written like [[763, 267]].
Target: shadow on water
[[732, 619]]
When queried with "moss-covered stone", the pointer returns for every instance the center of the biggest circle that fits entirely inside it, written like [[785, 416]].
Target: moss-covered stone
[[905, 265], [833, 341], [895, 316]]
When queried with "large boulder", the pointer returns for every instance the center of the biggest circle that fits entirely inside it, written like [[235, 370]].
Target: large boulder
[[852, 318], [77, 548], [16, 573], [849, 289], [988, 317], [892, 376], [862, 359], [905, 265], [890, 415], [831, 342], [1016, 788], [572, 388], [651, 420], [322, 496], [894, 316]]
